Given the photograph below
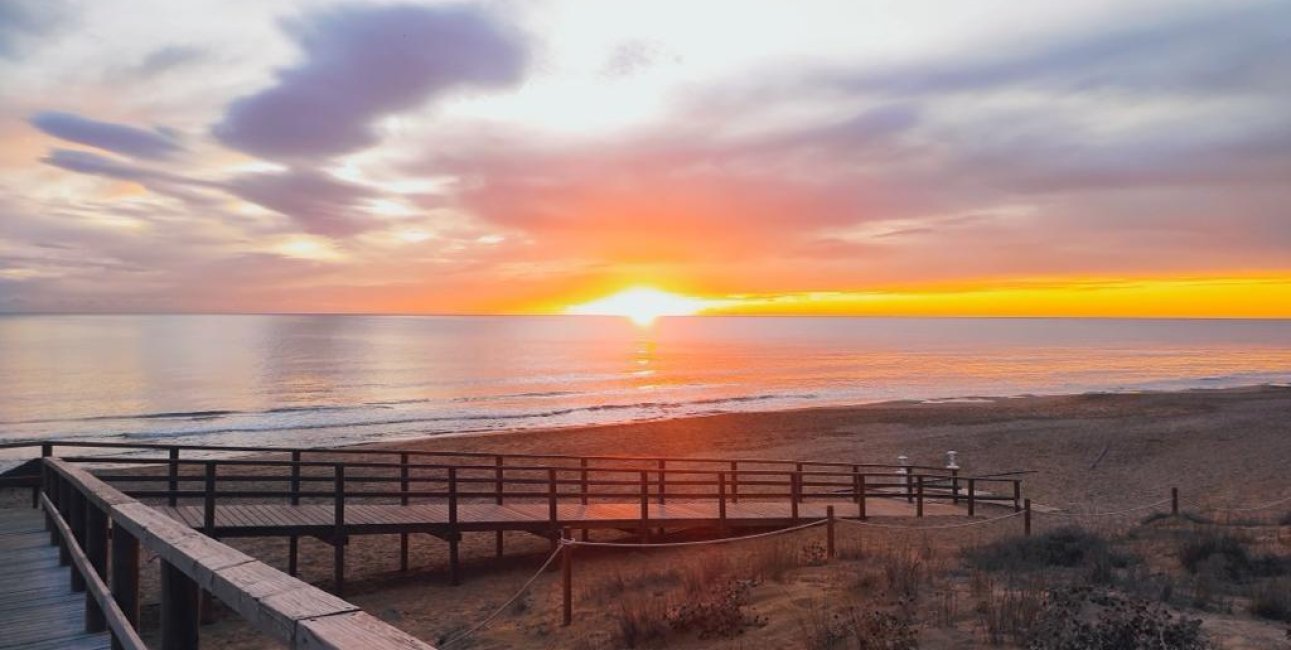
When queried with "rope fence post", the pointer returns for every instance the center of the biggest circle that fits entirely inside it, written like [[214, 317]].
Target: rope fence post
[[567, 581], [1026, 518]]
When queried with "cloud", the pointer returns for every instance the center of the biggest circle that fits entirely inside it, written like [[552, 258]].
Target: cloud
[[361, 63], [319, 203], [168, 58], [117, 138], [24, 21]]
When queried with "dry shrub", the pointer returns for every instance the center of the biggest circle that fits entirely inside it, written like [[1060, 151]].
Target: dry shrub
[[715, 612], [1007, 613], [641, 620], [1272, 600], [857, 627], [1084, 619], [773, 559]]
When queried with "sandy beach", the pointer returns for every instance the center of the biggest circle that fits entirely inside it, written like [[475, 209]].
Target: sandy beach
[[1088, 453]]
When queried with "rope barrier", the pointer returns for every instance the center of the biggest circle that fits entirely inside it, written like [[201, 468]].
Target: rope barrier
[[702, 542], [1103, 514], [1265, 506], [992, 520], [458, 638]]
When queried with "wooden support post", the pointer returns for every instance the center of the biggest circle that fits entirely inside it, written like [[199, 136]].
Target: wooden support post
[[567, 582], [76, 520], [1026, 518], [864, 499], [1174, 501], [795, 492], [125, 576], [208, 499], [909, 485], [1017, 495], [293, 542], [829, 532], [582, 487], [96, 551], [735, 481], [954, 486], [403, 501], [172, 473], [918, 509], [972, 497], [500, 489], [179, 609], [338, 531]]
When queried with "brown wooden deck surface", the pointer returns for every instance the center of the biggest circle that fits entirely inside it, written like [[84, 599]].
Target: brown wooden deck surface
[[281, 519], [38, 610]]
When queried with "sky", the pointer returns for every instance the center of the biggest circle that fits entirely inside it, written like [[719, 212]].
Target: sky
[[909, 157]]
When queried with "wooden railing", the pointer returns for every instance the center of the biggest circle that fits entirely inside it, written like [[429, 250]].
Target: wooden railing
[[84, 513]]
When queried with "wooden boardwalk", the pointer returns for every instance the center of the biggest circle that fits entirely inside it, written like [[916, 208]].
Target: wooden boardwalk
[[38, 609], [281, 520]]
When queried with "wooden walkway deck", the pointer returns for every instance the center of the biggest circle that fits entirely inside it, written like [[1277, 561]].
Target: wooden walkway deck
[[38, 609], [280, 520]]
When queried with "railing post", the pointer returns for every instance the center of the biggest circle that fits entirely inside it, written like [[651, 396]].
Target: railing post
[[338, 534], [1017, 495], [208, 497], [96, 551], [172, 484], [403, 501], [863, 500], [735, 481], [1174, 501], [500, 488], [583, 481], [954, 486], [795, 491], [179, 609], [829, 532], [1026, 518], [721, 498], [553, 512], [125, 576], [567, 581], [76, 519], [293, 542], [64, 491], [663, 464], [918, 509], [798, 475], [645, 505]]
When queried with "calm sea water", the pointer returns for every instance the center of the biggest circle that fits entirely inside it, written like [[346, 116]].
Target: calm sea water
[[323, 380]]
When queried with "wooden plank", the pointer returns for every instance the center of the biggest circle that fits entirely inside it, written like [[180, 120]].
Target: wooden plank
[[272, 601]]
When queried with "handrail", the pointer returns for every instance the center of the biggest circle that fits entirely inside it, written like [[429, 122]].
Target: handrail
[[290, 611], [430, 453], [122, 632]]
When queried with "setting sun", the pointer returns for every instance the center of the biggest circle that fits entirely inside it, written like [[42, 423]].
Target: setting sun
[[641, 305]]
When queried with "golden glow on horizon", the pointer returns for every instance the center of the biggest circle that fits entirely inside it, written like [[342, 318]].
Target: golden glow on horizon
[[641, 305], [1252, 296]]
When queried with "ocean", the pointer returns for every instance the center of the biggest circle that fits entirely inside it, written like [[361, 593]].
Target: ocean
[[305, 380]]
